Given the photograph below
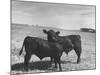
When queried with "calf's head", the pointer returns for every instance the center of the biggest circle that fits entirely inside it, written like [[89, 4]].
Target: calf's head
[[51, 35]]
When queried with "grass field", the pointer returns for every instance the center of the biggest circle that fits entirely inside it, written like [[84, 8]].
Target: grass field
[[19, 32]]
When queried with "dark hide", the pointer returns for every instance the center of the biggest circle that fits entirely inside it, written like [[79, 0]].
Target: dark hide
[[68, 42], [41, 48]]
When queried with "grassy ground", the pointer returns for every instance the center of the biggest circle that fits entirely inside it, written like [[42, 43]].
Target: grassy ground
[[19, 32]]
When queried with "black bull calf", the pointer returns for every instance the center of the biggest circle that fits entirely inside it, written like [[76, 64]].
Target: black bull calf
[[41, 48], [74, 41]]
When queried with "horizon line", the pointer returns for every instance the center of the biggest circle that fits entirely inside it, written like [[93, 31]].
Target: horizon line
[[50, 26]]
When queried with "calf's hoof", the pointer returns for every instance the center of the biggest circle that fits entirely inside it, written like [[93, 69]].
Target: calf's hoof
[[25, 69], [60, 70], [78, 61], [55, 67]]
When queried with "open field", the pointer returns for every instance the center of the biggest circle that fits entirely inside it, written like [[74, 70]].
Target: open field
[[19, 32]]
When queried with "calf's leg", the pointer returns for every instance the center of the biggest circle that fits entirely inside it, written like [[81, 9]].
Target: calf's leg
[[26, 61], [51, 60], [55, 61], [78, 52], [59, 62]]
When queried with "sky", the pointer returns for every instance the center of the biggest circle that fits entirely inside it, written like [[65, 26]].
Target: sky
[[64, 16]]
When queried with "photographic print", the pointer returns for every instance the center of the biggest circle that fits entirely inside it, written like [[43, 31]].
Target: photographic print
[[52, 37]]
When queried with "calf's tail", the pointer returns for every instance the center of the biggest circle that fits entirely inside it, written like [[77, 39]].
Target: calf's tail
[[21, 49]]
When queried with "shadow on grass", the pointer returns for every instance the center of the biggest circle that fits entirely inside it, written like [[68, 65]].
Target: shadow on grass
[[66, 62], [38, 65]]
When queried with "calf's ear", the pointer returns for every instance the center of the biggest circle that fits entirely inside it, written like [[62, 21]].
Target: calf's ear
[[57, 32], [45, 31]]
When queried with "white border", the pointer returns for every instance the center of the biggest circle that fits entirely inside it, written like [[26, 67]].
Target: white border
[[87, 2], [5, 36]]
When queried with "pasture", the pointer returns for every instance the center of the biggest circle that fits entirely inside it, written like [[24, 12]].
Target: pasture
[[68, 62]]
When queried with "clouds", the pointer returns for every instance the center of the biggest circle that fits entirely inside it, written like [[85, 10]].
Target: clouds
[[56, 15]]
